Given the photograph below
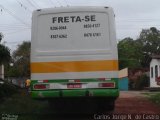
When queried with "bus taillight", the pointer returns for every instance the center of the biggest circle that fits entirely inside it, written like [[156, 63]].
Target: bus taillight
[[107, 85], [41, 86]]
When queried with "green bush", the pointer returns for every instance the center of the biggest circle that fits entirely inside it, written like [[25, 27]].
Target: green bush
[[131, 85], [7, 90], [142, 82]]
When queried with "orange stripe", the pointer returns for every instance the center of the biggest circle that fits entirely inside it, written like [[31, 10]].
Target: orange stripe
[[74, 66]]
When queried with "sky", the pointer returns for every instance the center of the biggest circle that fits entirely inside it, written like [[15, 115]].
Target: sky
[[131, 16]]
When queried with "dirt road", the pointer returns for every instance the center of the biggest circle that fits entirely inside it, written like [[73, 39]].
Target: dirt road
[[129, 103], [135, 103]]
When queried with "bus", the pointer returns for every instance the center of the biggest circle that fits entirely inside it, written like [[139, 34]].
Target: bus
[[74, 56]]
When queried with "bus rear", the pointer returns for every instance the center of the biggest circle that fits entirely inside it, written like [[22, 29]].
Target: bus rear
[[74, 55]]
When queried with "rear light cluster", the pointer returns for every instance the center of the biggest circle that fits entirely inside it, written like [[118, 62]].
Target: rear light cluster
[[103, 79], [41, 86], [76, 80], [43, 81], [107, 85]]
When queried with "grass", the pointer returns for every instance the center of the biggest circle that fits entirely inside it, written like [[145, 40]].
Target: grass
[[28, 109], [154, 97], [25, 107]]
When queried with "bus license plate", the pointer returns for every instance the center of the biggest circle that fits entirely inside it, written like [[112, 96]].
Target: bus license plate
[[74, 85]]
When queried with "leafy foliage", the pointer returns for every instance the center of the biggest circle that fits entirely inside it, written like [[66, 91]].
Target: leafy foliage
[[4, 54], [129, 53], [21, 61], [137, 53], [7, 90], [142, 82], [1, 36], [150, 40]]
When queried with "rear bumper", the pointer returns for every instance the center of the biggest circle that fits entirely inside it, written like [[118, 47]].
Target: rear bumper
[[76, 93]]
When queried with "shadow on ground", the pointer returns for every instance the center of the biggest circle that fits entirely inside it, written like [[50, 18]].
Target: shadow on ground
[[25, 108]]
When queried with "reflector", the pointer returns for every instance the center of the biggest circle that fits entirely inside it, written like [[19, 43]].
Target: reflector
[[45, 81]]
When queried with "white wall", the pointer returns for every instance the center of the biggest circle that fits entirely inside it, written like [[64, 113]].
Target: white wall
[[153, 63]]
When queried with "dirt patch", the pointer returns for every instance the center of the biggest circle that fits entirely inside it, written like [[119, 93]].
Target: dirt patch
[[131, 94], [135, 103]]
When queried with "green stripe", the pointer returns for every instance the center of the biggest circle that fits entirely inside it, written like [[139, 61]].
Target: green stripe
[[76, 93]]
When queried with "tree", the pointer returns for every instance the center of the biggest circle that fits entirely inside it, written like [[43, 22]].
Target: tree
[[1, 36], [4, 52], [21, 59], [129, 52], [137, 53], [150, 41]]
